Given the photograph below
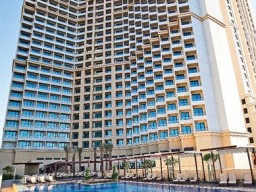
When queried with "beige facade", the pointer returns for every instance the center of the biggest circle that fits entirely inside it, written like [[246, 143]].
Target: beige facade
[[241, 34]]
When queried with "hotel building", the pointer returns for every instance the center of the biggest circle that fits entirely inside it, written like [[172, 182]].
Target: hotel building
[[147, 76]]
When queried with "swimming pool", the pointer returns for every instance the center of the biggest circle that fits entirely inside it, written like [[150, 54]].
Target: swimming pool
[[122, 187]]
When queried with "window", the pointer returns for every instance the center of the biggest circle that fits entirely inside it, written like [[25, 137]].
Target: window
[[198, 112], [174, 132], [247, 120], [184, 116], [173, 119], [245, 111], [200, 126], [186, 130], [249, 129], [251, 140], [171, 106]]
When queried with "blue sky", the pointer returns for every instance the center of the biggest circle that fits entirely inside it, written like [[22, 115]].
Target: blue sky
[[10, 11]]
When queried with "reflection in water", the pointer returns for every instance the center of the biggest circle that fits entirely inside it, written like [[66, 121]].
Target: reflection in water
[[120, 187]]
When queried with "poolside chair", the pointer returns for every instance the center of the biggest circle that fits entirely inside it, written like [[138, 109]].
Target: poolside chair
[[159, 178], [32, 179], [223, 179], [108, 176], [135, 176], [152, 178], [177, 178], [129, 176], [99, 175], [194, 180], [50, 178], [247, 179], [41, 179], [26, 179], [149, 176], [232, 179], [184, 178], [124, 177]]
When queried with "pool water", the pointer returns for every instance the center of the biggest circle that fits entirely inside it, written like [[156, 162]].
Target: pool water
[[122, 187]]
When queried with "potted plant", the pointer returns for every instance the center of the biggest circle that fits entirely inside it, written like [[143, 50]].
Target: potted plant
[[87, 175], [115, 174], [8, 173]]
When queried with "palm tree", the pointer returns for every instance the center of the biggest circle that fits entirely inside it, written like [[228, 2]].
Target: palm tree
[[170, 163], [148, 163], [127, 166], [210, 159], [74, 156], [80, 150], [67, 151], [94, 157], [110, 149], [101, 158], [106, 146]]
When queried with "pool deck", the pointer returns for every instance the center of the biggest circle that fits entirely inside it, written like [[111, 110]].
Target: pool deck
[[7, 189]]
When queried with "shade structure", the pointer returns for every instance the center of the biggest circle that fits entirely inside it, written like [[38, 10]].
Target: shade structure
[[233, 150]]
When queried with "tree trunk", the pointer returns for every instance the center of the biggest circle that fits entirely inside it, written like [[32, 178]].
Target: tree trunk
[[80, 163], [168, 173], [106, 163], [95, 157]]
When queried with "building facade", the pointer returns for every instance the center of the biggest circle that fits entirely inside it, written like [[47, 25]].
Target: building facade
[[147, 76]]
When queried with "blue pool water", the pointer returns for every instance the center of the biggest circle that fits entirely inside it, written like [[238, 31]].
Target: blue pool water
[[122, 187]]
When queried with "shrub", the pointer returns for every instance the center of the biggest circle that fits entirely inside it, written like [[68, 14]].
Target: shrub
[[7, 177], [115, 174], [87, 174]]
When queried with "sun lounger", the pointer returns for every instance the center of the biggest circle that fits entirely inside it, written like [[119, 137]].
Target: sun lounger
[[32, 179], [108, 176], [232, 179], [152, 178], [135, 177], [177, 178], [50, 178], [184, 178], [99, 175], [194, 180], [26, 179], [129, 176], [247, 179], [223, 179], [159, 179], [41, 179], [148, 178]]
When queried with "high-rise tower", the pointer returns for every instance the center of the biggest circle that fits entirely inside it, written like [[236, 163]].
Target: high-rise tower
[[40, 101], [147, 75]]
